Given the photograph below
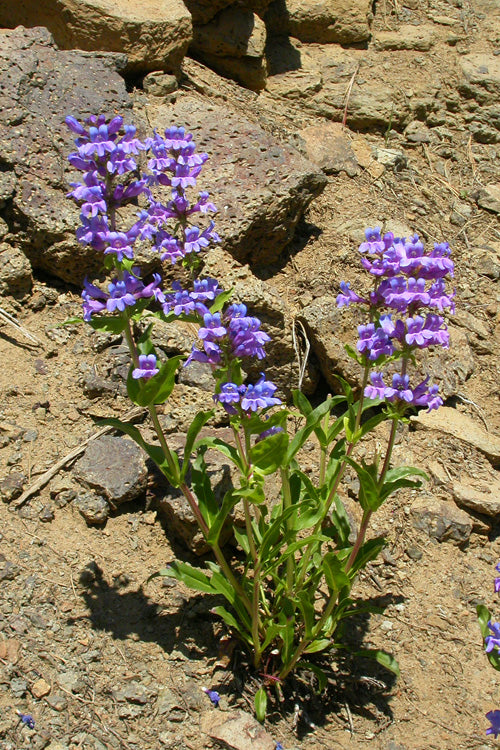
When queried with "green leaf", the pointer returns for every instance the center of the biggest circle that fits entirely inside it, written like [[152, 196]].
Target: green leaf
[[484, 617], [260, 703], [370, 550], [313, 420], [320, 644], [190, 576], [157, 389], [155, 452], [320, 674], [222, 447], [241, 537], [232, 623], [256, 423], [334, 574], [381, 657], [108, 323], [196, 425], [307, 608], [230, 500], [267, 455], [369, 492], [302, 403], [220, 301], [200, 482], [70, 322]]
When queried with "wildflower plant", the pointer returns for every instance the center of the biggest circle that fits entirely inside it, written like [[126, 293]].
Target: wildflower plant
[[288, 590], [491, 639]]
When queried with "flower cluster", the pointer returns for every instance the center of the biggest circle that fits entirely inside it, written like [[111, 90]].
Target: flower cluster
[[408, 282], [106, 154], [122, 293]]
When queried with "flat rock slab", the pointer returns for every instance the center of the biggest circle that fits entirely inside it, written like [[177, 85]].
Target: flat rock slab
[[481, 77], [461, 426], [479, 495], [40, 86], [236, 730], [260, 185], [321, 21], [115, 467], [441, 520], [407, 37], [489, 198], [328, 146], [154, 34]]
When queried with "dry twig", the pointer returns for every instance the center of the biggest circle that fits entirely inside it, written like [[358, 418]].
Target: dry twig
[[12, 321]]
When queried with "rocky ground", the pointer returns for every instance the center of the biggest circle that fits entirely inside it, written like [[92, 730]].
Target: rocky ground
[[97, 655]]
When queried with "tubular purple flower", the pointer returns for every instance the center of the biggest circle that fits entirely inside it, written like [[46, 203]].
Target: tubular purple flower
[[260, 395], [120, 244], [373, 243], [347, 296], [147, 367], [228, 395], [400, 389], [494, 719], [492, 641], [377, 388]]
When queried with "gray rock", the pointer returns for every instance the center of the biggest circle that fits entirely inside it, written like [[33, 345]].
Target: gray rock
[[71, 680], [481, 495], [18, 687], [170, 705], [153, 35], [441, 520], [236, 730], [9, 571], [295, 85], [261, 186], [36, 99], [320, 21], [233, 43], [328, 146], [461, 426], [407, 37], [158, 83], [481, 77], [93, 508], [11, 486], [16, 278], [489, 198], [198, 374], [115, 467], [134, 692]]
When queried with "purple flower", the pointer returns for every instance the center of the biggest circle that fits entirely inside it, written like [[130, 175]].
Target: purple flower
[[347, 296], [270, 431], [492, 641], [94, 300], [120, 244], [279, 746], [228, 395], [260, 395], [377, 387], [494, 719], [213, 695], [400, 389], [373, 243], [27, 719], [147, 367]]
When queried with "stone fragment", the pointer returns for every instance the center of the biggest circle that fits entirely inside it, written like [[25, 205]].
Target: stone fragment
[[40, 688], [489, 198], [321, 21], [36, 98], [71, 680], [9, 571], [113, 466], [328, 146], [158, 83], [481, 77], [16, 278], [93, 508], [169, 705], [481, 495], [295, 85], [407, 37], [234, 32], [453, 422], [261, 185], [11, 486], [154, 34], [9, 650], [390, 157], [233, 43], [236, 730], [441, 520], [18, 687]]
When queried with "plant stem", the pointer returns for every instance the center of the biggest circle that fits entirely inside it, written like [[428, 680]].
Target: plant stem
[[287, 501], [256, 616]]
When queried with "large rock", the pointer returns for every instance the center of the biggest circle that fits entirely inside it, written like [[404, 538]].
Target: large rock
[[233, 43], [113, 466], [261, 186], [203, 11], [154, 34], [480, 77], [40, 86], [321, 21]]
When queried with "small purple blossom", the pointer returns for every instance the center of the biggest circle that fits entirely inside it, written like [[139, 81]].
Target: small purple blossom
[[147, 367], [260, 395], [494, 719], [492, 641], [213, 695], [27, 719]]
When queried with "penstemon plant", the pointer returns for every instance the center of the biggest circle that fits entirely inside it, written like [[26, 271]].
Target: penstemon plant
[[288, 591], [491, 640]]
